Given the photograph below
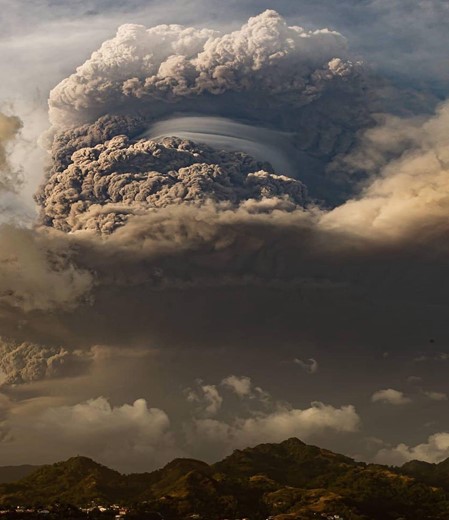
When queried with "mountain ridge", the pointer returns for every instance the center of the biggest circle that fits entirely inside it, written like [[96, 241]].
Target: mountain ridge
[[288, 480]]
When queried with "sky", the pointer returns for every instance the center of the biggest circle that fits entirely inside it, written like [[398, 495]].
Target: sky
[[222, 224]]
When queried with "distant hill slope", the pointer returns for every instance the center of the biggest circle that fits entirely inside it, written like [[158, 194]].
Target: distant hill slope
[[292, 463], [78, 480], [432, 474], [12, 473], [289, 480]]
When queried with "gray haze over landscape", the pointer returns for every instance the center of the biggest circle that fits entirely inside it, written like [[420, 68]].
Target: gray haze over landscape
[[223, 224]]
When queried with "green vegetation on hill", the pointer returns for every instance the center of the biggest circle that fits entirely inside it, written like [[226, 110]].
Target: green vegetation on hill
[[291, 463], [290, 480], [432, 474], [78, 480]]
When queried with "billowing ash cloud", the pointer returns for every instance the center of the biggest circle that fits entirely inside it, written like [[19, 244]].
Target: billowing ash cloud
[[177, 214], [266, 74], [28, 362], [160, 67], [107, 183], [105, 168]]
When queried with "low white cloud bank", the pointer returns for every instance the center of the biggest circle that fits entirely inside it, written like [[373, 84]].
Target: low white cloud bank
[[264, 419], [435, 450], [278, 425], [130, 437], [133, 436]]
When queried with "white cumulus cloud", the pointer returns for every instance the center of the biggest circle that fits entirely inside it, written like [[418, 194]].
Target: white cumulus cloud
[[390, 396], [126, 436], [278, 425], [207, 397], [436, 449], [240, 385]]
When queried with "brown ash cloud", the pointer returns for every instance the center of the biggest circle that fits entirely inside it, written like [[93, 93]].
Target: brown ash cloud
[[131, 177]]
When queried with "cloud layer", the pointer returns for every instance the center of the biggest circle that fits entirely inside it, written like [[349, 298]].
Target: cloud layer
[[268, 420], [436, 449]]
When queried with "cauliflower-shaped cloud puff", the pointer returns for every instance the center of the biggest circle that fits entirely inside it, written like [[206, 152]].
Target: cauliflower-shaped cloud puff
[[168, 63], [124, 177], [27, 362], [284, 79]]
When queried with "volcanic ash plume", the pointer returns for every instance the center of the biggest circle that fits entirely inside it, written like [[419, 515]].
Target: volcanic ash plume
[[266, 75], [265, 67], [106, 184], [27, 362]]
